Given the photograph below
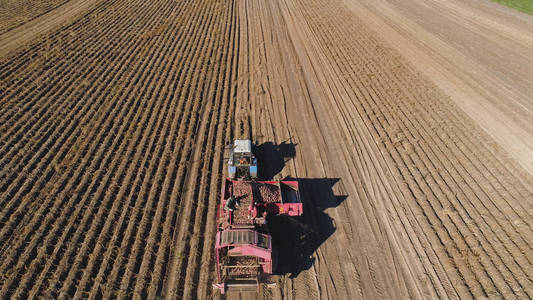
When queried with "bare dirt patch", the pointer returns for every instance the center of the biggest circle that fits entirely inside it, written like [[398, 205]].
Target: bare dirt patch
[[113, 127]]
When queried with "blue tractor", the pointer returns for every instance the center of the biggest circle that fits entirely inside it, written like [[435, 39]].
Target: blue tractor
[[242, 163]]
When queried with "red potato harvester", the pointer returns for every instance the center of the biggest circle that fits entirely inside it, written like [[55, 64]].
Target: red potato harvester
[[243, 246]]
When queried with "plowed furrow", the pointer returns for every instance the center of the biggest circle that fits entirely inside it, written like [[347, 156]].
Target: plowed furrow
[[113, 127], [221, 138], [423, 171], [190, 184], [54, 210], [25, 135], [180, 132], [114, 74], [202, 161], [47, 140], [96, 232], [109, 246], [176, 121], [504, 227], [151, 113], [13, 14], [30, 77], [94, 144], [429, 161]]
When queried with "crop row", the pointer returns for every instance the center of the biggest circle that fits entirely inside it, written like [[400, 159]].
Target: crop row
[[99, 133], [469, 197]]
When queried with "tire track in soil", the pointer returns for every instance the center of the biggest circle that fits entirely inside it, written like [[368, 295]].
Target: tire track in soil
[[112, 162], [458, 172], [340, 43]]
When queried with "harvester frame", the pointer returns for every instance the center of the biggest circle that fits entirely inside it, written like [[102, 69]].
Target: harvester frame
[[243, 246]]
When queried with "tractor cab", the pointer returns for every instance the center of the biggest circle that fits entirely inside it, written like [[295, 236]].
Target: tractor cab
[[242, 163]]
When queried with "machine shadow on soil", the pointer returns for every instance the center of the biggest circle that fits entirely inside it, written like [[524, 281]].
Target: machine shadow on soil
[[272, 158], [295, 239]]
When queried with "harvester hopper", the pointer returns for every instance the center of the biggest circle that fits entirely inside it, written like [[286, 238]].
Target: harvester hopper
[[243, 246]]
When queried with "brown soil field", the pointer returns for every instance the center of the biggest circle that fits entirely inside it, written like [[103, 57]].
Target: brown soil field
[[26, 32], [16, 13], [408, 126]]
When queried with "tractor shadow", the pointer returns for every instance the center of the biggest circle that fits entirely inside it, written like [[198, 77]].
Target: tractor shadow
[[276, 156], [295, 239]]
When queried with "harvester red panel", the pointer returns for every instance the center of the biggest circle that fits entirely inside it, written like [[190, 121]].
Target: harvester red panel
[[243, 244]]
